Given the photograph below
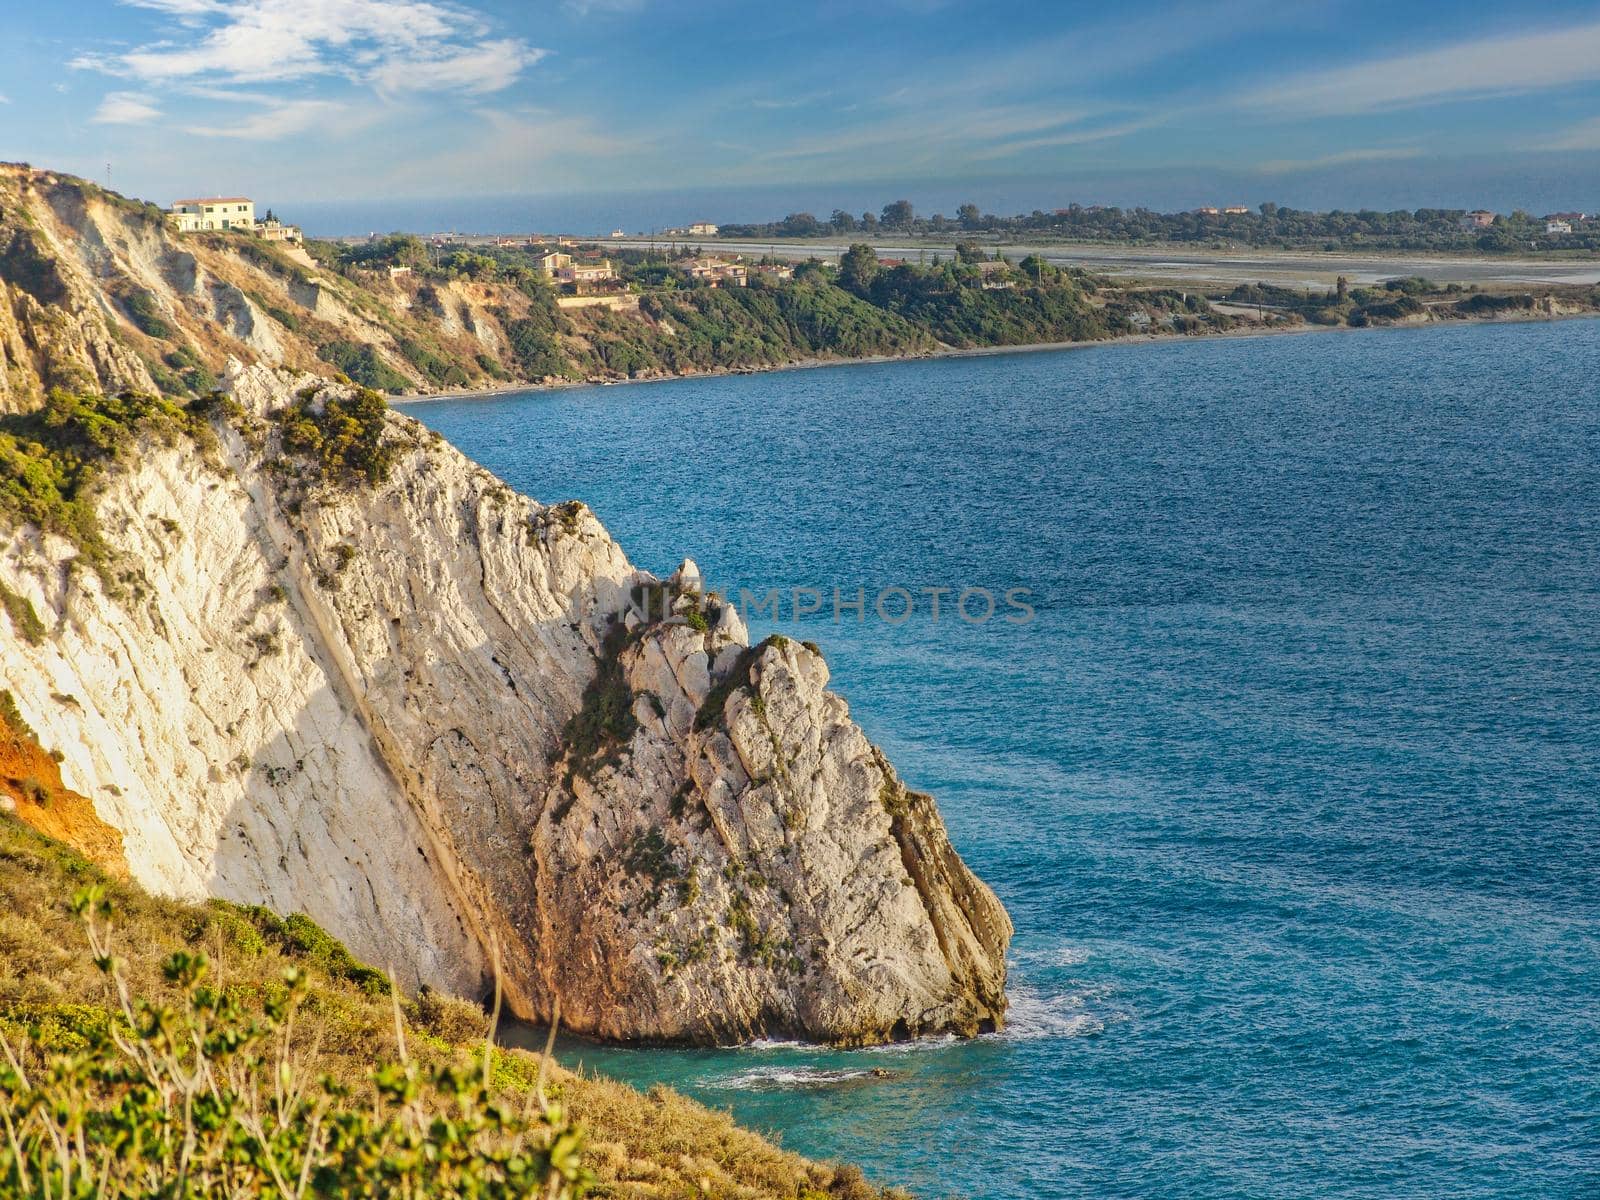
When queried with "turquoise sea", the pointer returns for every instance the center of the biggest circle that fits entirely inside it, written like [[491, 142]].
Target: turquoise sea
[[1292, 786]]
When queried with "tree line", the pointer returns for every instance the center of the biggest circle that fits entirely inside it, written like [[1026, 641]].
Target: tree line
[[1267, 225]]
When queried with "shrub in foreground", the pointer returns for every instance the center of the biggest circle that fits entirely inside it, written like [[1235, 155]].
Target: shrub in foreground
[[207, 1097]]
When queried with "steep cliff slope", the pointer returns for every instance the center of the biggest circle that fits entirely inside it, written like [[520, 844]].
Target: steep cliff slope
[[323, 662], [96, 293]]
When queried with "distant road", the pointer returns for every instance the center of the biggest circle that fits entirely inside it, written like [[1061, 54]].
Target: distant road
[[1291, 268]]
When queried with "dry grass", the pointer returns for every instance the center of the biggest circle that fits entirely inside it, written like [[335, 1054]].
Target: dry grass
[[655, 1145]]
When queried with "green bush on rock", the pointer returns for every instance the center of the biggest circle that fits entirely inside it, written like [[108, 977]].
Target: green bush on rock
[[343, 437], [51, 459]]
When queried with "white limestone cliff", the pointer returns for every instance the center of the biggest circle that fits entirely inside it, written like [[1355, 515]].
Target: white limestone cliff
[[411, 712]]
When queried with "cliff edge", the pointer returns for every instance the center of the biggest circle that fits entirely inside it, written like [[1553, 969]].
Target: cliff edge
[[319, 660]]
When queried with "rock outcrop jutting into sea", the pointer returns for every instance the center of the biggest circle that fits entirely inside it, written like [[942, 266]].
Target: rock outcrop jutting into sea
[[450, 723]]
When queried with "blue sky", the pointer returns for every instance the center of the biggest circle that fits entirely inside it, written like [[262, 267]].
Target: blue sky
[[640, 107]]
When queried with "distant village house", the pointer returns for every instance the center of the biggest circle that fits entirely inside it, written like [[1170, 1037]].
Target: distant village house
[[1479, 219], [273, 230], [581, 273], [996, 276], [552, 263], [561, 267], [716, 272]]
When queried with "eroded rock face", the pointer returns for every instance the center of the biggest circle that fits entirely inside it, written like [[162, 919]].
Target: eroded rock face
[[452, 724], [751, 865]]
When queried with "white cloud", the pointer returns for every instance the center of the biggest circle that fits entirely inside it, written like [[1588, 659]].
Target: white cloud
[[910, 129], [4, 99], [126, 108], [584, 8], [1279, 166], [1490, 66], [182, 8], [1072, 137], [486, 67], [277, 120], [524, 150], [1583, 136], [788, 102], [412, 45]]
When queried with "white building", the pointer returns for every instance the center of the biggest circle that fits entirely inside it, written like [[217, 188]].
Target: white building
[[1558, 226], [274, 230], [213, 212], [717, 272], [552, 263]]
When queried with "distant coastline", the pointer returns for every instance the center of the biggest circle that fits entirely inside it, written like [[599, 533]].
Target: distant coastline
[[1136, 339]]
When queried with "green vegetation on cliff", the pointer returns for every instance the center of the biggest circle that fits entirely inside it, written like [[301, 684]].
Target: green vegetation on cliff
[[155, 1048], [763, 325], [342, 438], [972, 302], [683, 324], [51, 459]]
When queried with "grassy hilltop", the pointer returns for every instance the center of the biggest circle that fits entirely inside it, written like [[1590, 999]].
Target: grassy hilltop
[[274, 1011]]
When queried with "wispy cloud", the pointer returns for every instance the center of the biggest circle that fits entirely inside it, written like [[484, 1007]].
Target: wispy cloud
[[126, 108], [522, 150], [180, 8], [240, 58], [1070, 137], [486, 67], [910, 130], [1341, 158], [392, 45], [1583, 136], [1488, 66], [906, 141], [584, 8], [959, 109], [780, 104], [4, 99], [276, 121]]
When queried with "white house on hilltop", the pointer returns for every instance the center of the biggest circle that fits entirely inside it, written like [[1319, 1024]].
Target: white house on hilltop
[[213, 212], [216, 213]]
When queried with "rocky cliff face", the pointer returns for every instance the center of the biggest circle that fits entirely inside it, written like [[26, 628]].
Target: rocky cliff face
[[454, 725], [97, 294]]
